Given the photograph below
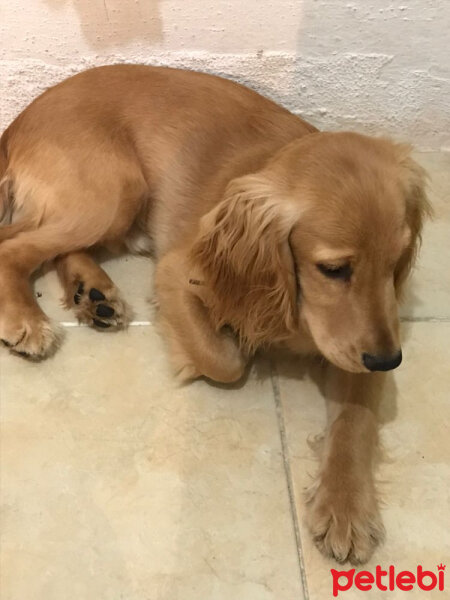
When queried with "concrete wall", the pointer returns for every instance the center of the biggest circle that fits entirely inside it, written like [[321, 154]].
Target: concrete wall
[[370, 65]]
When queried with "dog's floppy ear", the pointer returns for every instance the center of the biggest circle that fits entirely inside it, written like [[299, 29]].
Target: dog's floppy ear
[[244, 254], [414, 180]]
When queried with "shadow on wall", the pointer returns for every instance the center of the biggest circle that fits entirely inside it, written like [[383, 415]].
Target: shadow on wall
[[109, 23]]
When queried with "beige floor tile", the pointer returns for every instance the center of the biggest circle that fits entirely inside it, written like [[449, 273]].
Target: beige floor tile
[[416, 478], [428, 293], [117, 484]]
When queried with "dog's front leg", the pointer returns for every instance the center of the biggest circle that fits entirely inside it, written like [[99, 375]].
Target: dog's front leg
[[342, 511], [196, 348]]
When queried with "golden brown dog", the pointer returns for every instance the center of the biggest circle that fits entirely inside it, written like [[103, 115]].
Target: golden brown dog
[[266, 233]]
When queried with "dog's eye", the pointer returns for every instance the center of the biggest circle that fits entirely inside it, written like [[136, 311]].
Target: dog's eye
[[343, 272]]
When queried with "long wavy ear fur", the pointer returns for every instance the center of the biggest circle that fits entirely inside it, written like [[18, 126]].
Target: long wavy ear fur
[[243, 252], [418, 208]]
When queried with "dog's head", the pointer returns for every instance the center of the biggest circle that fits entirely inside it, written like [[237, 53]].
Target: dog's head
[[320, 240]]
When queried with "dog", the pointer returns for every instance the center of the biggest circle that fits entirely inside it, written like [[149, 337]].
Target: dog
[[267, 233]]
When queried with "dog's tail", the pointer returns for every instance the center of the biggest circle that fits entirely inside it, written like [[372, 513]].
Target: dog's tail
[[3, 154], [8, 229]]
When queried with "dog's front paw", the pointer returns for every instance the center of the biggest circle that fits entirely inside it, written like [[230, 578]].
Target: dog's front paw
[[344, 520]]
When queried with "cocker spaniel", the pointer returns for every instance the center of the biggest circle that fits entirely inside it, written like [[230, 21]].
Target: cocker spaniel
[[266, 233]]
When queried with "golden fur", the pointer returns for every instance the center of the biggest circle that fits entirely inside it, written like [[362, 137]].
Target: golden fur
[[266, 233]]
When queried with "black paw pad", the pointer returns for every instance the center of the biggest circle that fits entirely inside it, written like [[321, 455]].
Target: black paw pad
[[96, 295], [79, 293], [101, 324], [5, 343], [104, 311]]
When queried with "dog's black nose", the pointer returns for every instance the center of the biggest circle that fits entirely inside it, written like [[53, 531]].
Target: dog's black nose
[[382, 363]]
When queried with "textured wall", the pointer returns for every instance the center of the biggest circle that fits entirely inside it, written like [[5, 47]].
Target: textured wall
[[370, 65]]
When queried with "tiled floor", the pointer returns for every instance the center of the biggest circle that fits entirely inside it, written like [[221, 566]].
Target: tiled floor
[[118, 485]]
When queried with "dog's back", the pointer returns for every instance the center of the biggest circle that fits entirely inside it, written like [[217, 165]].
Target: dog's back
[[125, 134]]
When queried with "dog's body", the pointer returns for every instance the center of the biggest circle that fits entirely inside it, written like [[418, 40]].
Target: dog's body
[[258, 222]]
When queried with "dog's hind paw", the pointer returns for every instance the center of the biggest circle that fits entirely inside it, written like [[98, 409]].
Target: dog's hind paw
[[102, 309], [33, 338]]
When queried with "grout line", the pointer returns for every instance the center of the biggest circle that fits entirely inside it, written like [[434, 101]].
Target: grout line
[[425, 319], [147, 323], [289, 480]]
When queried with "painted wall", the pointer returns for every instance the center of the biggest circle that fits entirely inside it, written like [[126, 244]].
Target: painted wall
[[374, 66]]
